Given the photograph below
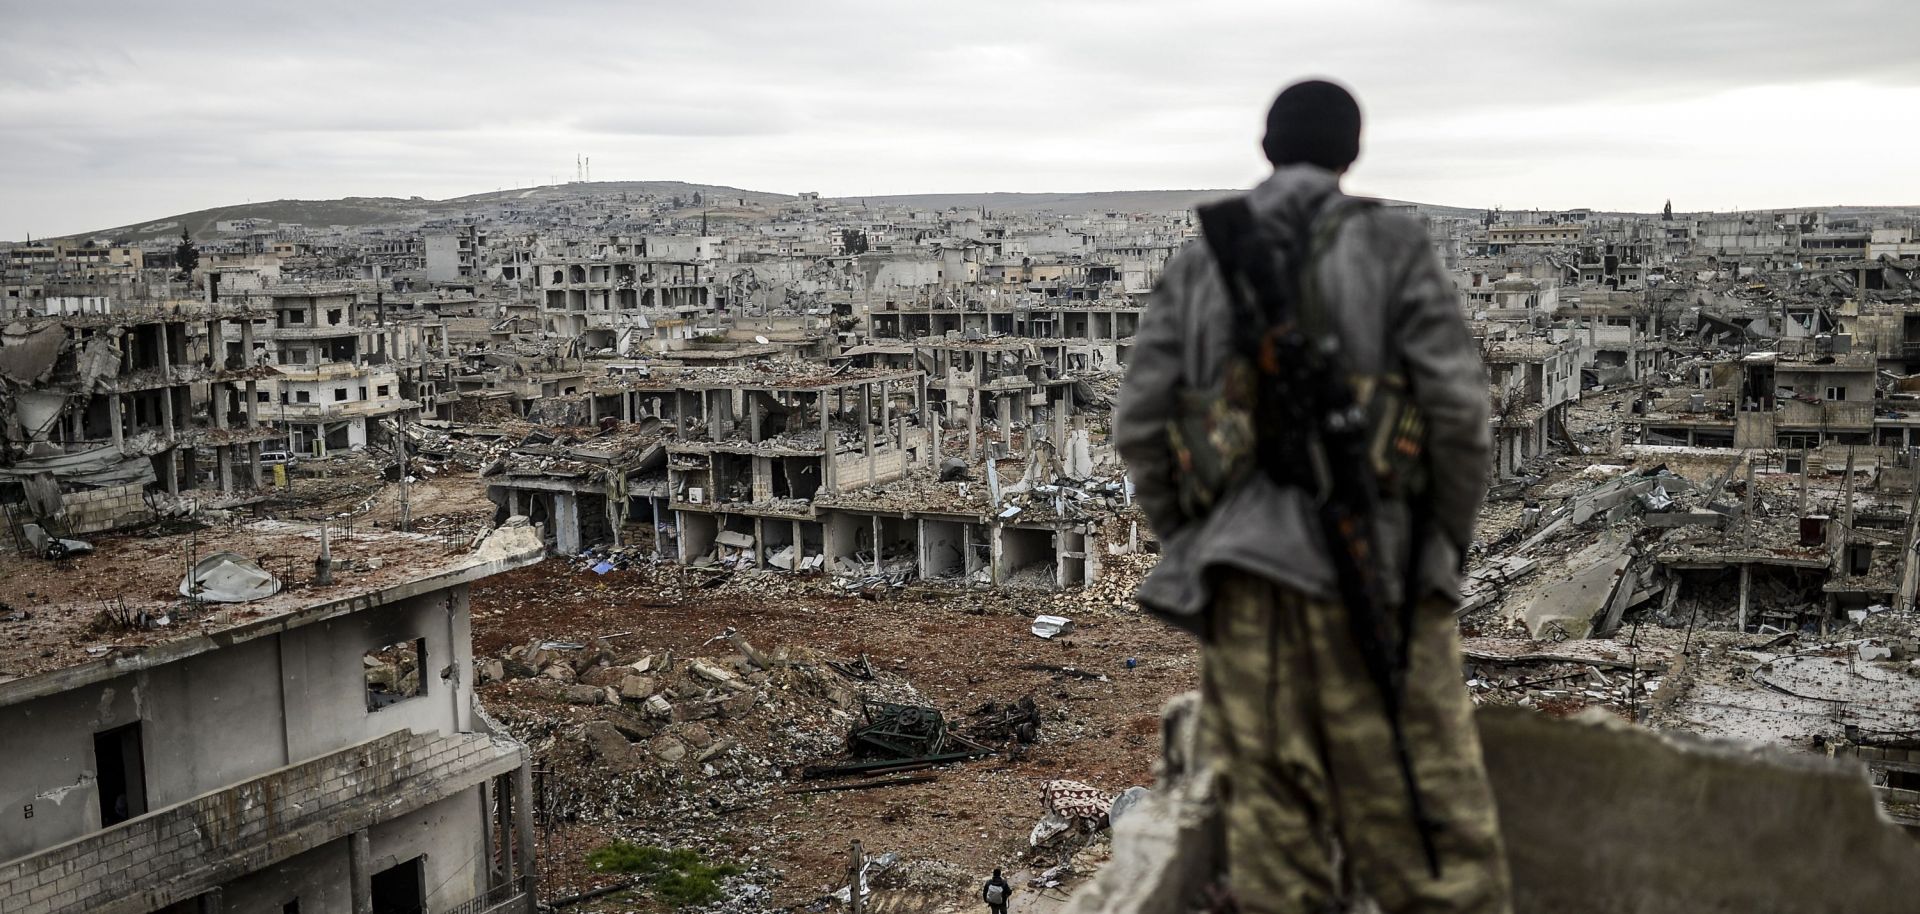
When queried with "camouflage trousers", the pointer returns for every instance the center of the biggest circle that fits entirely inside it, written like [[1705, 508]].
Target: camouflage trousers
[[1314, 803]]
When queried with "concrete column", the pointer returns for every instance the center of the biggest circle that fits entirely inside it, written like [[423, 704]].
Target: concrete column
[[166, 354], [968, 564], [223, 457], [117, 420], [213, 901], [657, 551], [995, 554], [246, 343], [166, 411], [829, 477], [866, 429], [876, 543], [253, 464], [566, 523], [926, 415], [922, 558], [171, 461], [973, 422], [1746, 585], [360, 870], [886, 411], [1006, 422]]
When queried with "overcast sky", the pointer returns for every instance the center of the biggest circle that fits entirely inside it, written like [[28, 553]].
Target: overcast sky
[[118, 112]]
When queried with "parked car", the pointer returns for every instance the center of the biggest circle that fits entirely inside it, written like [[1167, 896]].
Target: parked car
[[272, 458]]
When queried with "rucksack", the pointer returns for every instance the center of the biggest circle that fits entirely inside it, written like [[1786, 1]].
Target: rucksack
[[996, 893]]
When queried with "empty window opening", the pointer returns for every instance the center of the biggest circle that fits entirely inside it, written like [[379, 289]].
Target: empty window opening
[[1859, 558], [394, 673], [119, 766], [400, 889]]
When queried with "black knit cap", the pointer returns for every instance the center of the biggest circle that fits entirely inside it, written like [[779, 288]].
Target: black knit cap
[[1313, 121]]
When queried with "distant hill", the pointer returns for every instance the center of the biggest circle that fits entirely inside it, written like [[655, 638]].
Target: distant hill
[[1106, 201], [367, 212], [724, 202]]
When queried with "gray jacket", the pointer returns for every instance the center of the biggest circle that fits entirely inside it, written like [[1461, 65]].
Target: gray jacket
[[1378, 276]]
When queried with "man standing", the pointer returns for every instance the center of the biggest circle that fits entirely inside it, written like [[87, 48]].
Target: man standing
[[996, 893], [1317, 556]]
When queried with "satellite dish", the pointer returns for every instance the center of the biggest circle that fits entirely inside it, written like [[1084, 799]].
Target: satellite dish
[[761, 340]]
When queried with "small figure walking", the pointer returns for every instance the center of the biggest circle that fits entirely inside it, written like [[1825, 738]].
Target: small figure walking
[[996, 893]]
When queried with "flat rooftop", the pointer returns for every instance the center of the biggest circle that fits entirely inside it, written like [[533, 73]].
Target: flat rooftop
[[62, 616], [782, 374]]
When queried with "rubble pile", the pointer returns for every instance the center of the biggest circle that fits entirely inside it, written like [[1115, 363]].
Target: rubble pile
[[1565, 677], [621, 730]]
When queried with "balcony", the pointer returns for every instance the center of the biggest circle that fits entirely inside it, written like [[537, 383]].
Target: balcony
[[324, 371], [181, 851], [343, 409], [1830, 414]]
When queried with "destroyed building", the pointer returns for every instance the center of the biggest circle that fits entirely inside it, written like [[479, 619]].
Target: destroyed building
[[885, 413], [100, 407], [800, 469], [339, 373], [293, 733]]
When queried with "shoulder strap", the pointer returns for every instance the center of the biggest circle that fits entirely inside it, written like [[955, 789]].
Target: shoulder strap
[[1326, 226], [1226, 225], [1260, 296]]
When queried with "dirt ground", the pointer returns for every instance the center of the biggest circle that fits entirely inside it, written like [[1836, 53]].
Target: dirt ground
[[958, 651]]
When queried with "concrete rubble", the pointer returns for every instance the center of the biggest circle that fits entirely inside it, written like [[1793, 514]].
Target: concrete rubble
[[876, 437]]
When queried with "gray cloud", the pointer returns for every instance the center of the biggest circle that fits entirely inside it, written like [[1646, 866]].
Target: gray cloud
[[158, 108]]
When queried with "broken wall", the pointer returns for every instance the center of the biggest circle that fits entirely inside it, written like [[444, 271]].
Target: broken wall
[[1600, 817]]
